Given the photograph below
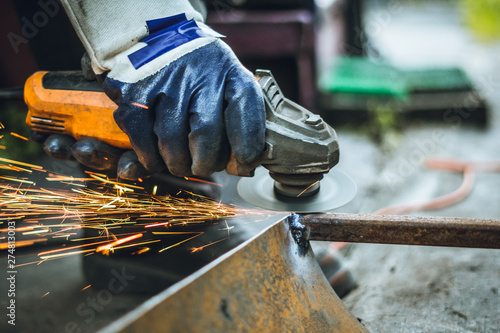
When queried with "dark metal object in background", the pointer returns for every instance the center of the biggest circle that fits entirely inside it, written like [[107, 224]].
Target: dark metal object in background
[[280, 40], [355, 43], [12, 93], [408, 230]]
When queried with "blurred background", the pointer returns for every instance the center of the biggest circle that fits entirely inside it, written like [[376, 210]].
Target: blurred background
[[349, 60]]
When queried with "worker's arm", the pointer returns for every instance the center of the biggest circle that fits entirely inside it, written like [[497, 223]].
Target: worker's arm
[[184, 99]]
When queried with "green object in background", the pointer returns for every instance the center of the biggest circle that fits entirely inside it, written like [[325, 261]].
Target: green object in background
[[362, 76], [437, 79]]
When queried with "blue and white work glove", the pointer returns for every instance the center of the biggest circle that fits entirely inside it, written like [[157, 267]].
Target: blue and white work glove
[[184, 99]]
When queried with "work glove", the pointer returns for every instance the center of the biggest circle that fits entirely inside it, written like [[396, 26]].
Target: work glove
[[92, 153], [223, 118], [187, 107], [192, 114]]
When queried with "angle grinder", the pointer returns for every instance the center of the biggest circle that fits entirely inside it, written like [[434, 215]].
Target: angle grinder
[[300, 147]]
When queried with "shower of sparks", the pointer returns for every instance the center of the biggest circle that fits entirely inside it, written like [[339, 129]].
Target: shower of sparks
[[123, 216]]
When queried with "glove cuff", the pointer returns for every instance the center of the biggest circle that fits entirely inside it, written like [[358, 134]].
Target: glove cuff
[[109, 28], [163, 46], [167, 34]]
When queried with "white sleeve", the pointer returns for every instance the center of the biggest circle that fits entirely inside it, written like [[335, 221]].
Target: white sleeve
[[110, 27]]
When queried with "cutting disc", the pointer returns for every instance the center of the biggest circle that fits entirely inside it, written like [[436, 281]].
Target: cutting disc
[[337, 189]]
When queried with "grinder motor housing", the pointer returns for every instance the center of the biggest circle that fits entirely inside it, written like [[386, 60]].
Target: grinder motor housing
[[300, 146]]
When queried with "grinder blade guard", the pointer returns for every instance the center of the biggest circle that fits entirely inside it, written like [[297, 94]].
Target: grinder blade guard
[[301, 148]]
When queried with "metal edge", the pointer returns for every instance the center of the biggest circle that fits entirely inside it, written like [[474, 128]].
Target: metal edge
[[123, 322]]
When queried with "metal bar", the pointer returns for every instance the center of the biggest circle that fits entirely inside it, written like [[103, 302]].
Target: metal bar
[[407, 230]]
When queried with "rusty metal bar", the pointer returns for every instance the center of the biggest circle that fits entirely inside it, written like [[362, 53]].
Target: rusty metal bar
[[407, 230]]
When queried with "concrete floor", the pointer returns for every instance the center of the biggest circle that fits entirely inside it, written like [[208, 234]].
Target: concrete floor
[[428, 289]]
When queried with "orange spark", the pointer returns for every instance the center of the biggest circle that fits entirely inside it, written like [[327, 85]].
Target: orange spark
[[69, 248], [5, 246], [6, 160], [48, 292], [109, 246], [19, 136], [61, 255], [307, 188], [18, 229], [201, 181], [142, 250], [17, 180], [137, 244], [197, 249], [140, 105], [157, 225], [98, 237], [58, 178], [174, 245], [175, 232], [95, 173], [35, 232], [87, 287]]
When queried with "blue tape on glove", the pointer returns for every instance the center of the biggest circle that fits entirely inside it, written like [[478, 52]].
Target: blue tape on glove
[[165, 35], [163, 23]]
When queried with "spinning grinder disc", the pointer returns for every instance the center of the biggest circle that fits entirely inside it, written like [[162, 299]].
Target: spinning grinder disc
[[337, 189]]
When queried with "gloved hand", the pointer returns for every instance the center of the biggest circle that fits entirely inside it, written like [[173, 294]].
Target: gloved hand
[[101, 156], [197, 118], [193, 113], [94, 154], [91, 152], [186, 108]]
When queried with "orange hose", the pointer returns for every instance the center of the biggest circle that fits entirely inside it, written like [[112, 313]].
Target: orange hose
[[468, 168]]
